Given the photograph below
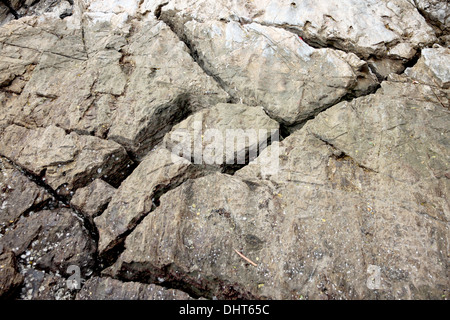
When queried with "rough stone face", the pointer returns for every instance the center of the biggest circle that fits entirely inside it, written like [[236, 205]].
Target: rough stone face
[[21, 8], [432, 67], [10, 278], [378, 165], [159, 171], [159, 92], [51, 240], [93, 199], [212, 134], [18, 194], [193, 233], [129, 84], [96, 98], [435, 10], [110, 289], [69, 161], [275, 69], [392, 29]]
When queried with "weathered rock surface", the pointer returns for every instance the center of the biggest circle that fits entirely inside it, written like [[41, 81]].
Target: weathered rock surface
[[391, 29], [18, 194], [110, 289], [10, 278], [194, 233], [126, 80], [273, 68], [93, 199], [432, 67], [436, 11], [159, 171], [14, 9], [51, 240], [223, 134], [96, 98], [69, 161], [378, 165]]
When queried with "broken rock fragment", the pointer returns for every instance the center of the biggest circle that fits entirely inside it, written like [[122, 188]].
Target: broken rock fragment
[[158, 172], [64, 161], [18, 194], [273, 68], [93, 199], [223, 134]]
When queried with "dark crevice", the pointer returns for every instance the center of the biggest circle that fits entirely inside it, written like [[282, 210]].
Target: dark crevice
[[412, 62], [340, 155], [7, 3]]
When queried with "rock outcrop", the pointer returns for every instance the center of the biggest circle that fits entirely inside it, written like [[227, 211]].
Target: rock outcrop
[[181, 149]]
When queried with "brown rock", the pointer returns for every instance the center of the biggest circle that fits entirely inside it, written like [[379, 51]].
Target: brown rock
[[93, 199], [10, 278], [70, 160]]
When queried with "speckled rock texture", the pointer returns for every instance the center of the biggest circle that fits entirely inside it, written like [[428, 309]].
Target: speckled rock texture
[[200, 149]]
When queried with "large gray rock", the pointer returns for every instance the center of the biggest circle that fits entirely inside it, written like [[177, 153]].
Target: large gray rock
[[65, 161], [223, 134], [39, 285], [357, 210], [14, 9], [138, 195], [110, 289], [273, 68], [93, 199]]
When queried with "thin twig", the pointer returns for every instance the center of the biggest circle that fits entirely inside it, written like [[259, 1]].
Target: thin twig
[[245, 258]]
